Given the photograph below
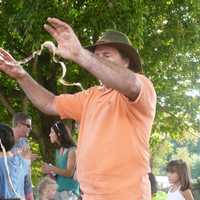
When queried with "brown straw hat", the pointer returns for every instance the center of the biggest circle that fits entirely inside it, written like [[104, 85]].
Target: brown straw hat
[[123, 44]]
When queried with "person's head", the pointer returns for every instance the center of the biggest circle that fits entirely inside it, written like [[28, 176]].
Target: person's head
[[22, 124], [6, 137], [61, 135], [47, 188], [116, 47], [112, 54], [178, 173]]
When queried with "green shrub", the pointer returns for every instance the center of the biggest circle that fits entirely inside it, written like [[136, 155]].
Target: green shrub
[[160, 196]]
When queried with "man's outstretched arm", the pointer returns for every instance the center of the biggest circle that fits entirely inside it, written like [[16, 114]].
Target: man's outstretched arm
[[38, 95], [112, 75]]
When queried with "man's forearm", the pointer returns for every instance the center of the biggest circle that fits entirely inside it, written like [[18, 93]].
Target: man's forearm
[[112, 75], [37, 94]]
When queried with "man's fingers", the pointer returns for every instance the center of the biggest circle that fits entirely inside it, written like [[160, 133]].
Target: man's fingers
[[1, 57], [58, 24], [5, 65], [5, 54], [51, 31]]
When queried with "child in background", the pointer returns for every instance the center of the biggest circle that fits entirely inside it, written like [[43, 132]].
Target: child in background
[[47, 189], [178, 175]]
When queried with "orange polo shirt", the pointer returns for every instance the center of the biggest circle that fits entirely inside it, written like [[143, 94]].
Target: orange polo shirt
[[113, 143]]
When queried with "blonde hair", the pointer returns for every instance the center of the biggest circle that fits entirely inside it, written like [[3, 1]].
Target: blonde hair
[[44, 183]]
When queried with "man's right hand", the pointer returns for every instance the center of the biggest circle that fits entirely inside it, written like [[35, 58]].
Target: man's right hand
[[9, 65], [69, 46], [31, 88]]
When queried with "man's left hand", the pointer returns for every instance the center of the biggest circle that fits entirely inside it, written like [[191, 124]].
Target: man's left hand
[[69, 46]]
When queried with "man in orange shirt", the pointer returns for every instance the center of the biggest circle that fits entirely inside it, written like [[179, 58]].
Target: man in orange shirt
[[115, 118]]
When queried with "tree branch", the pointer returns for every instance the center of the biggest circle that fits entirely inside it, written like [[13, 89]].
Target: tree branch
[[5, 103]]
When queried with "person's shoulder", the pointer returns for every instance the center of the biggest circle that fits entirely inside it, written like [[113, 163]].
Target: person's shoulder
[[89, 92], [23, 161], [146, 82], [18, 160], [23, 141], [186, 191], [187, 194], [13, 159], [144, 78], [92, 89], [86, 93]]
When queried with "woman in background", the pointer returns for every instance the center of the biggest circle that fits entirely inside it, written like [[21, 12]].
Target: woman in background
[[65, 162]]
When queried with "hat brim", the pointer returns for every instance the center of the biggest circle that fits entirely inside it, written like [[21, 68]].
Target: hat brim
[[135, 62]]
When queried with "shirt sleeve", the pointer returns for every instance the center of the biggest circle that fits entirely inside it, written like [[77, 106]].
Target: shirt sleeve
[[28, 184], [22, 142], [27, 175], [145, 103], [70, 106]]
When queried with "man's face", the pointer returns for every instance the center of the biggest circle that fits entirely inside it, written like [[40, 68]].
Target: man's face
[[25, 127], [112, 54]]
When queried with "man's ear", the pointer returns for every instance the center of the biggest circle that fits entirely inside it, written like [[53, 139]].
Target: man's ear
[[126, 62]]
